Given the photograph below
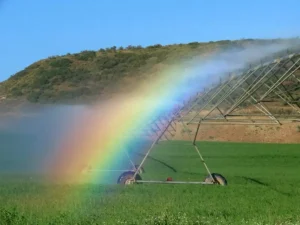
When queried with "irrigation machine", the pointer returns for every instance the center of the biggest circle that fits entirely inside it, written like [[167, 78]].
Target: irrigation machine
[[249, 97]]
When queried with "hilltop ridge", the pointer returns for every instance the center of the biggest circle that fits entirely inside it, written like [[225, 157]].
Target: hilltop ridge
[[91, 75]]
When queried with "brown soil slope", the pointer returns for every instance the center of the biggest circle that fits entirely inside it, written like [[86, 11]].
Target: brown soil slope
[[285, 133]]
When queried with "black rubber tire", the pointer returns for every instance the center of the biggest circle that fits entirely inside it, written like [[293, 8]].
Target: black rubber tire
[[141, 169], [126, 176], [218, 179]]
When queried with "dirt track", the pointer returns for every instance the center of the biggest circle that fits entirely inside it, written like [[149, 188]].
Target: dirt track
[[286, 133]]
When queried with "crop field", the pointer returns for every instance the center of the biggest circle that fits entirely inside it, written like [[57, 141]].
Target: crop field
[[263, 188]]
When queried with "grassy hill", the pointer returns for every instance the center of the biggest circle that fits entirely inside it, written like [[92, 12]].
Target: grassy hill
[[94, 74]]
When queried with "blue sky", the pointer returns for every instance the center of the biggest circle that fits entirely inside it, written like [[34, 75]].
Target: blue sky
[[34, 29]]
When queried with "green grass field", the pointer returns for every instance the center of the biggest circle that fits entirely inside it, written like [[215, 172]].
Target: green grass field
[[263, 188]]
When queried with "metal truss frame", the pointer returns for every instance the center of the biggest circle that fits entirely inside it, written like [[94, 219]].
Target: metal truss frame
[[253, 89]]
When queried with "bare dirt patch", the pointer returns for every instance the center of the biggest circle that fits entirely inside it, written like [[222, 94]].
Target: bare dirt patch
[[285, 133]]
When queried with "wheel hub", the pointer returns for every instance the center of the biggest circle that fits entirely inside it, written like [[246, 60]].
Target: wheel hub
[[129, 181]]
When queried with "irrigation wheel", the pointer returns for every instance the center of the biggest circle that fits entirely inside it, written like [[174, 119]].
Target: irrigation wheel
[[127, 178], [218, 179]]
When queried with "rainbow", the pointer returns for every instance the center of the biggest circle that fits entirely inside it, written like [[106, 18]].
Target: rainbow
[[102, 132]]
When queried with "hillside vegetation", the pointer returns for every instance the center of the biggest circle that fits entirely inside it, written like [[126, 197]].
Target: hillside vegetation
[[94, 74]]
